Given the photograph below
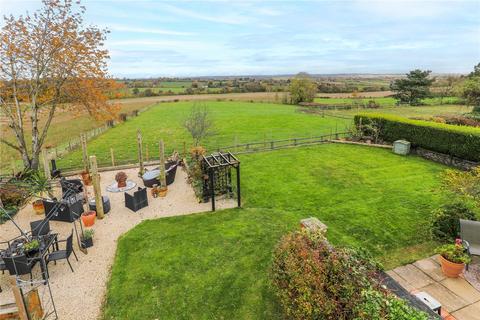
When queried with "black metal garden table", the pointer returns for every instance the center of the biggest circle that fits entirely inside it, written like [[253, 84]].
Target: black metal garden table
[[45, 243]]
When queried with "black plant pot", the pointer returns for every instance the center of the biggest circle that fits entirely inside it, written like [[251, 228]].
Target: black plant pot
[[31, 252], [87, 243]]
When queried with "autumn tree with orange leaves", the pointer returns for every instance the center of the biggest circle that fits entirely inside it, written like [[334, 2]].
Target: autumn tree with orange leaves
[[49, 61]]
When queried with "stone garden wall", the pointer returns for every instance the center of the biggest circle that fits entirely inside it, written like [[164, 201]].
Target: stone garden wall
[[445, 159]]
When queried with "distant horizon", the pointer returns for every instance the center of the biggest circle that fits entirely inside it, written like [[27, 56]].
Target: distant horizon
[[151, 39], [292, 75]]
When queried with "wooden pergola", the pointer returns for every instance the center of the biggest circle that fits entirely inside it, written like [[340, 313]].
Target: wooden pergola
[[217, 167]]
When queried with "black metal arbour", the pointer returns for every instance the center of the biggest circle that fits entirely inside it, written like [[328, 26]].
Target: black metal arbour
[[218, 176]]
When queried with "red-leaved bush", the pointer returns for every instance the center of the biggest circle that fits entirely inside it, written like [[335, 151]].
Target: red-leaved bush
[[315, 280]]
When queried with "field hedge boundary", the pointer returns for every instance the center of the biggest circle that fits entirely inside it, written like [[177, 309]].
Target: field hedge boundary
[[458, 141]]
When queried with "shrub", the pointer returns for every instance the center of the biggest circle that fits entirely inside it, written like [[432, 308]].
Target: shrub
[[372, 104], [314, 280], [445, 220], [463, 183], [459, 141], [461, 121], [380, 305], [455, 253]]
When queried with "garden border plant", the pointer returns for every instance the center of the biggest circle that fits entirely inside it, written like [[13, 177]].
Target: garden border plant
[[316, 280]]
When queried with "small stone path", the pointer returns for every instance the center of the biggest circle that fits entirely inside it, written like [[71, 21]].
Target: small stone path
[[459, 299]]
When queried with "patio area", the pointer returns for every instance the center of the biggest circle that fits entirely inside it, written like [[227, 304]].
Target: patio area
[[460, 299], [82, 292]]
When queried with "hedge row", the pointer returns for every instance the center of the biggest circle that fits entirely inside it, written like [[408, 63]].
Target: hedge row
[[459, 141]]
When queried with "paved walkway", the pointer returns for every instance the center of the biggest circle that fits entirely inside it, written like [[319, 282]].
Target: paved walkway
[[459, 299]]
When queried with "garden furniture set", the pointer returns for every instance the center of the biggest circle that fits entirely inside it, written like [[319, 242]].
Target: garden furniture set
[[150, 178], [136, 201]]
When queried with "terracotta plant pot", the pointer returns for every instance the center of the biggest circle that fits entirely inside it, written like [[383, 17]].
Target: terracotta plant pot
[[86, 178], [38, 207], [88, 218], [162, 191], [451, 269]]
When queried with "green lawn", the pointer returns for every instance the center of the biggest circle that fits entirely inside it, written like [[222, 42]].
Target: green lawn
[[233, 121], [215, 265]]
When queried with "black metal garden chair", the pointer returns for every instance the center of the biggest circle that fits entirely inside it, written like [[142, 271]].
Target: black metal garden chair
[[40, 228], [62, 254], [3, 266], [19, 265]]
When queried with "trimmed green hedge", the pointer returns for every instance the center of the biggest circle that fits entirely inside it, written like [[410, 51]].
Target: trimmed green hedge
[[459, 141]]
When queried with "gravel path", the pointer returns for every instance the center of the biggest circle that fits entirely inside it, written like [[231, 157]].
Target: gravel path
[[79, 295]]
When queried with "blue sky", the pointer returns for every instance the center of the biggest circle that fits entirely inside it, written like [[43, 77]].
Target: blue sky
[[175, 38]]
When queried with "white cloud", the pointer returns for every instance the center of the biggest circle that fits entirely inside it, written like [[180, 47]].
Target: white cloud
[[229, 18], [407, 9], [119, 27]]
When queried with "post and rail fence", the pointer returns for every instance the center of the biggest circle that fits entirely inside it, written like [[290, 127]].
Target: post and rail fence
[[117, 162]]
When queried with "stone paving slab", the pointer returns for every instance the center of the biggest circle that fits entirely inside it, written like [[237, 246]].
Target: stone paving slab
[[462, 288], [431, 268], [400, 280], [471, 312], [414, 276], [447, 298]]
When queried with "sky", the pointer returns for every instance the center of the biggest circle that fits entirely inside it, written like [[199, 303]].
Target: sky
[[207, 38]]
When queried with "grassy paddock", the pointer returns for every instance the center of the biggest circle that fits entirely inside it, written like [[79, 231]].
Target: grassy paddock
[[383, 101], [216, 265], [239, 122], [65, 126], [407, 111]]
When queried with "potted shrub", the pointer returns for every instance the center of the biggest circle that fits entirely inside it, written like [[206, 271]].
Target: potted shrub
[[31, 246], [88, 218], [86, 178], [87, 238], [39, 186], [453, 258], [121, 178]]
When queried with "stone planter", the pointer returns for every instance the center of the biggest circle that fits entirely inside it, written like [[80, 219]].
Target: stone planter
[[451, 269]]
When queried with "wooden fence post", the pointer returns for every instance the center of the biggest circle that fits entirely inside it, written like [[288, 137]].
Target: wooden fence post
[[96, 187], [46, 166], [163, 178], [140, 153], [112, 156], [17, 294], [83, 141]]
